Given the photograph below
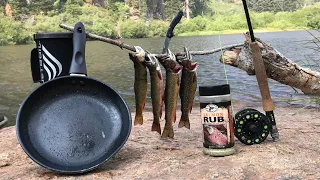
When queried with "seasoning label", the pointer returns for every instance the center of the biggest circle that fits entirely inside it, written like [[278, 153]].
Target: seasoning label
[[216, 126]]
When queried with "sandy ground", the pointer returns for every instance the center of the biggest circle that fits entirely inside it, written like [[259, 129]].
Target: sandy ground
[[145, 156]]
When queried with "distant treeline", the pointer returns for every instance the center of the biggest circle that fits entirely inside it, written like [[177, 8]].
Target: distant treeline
[[20, 19]]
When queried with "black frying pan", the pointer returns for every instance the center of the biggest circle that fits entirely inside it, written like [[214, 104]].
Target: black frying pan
[[73, 124]]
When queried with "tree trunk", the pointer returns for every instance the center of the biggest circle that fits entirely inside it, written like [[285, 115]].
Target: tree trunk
[[186, 3], [139, 3], [8, 10], [161, 6], [151, 9], [155, 9], [278, 67]]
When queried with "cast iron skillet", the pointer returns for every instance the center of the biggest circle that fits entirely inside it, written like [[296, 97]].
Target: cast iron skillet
[[73, 124]]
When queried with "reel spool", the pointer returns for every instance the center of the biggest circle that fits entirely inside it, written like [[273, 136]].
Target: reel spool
[[251, 126]]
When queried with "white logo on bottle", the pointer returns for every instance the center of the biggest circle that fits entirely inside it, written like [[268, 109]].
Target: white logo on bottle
[[211, 108]]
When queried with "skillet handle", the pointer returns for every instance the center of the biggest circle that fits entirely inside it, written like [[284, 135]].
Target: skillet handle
[[78, 63]]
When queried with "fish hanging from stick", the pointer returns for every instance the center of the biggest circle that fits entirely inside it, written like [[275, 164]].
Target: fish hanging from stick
[[157, 93], [173, 70], [188, 88], [140, 82]]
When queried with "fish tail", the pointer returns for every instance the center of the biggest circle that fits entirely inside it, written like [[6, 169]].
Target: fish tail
[[161, 107], [175, 114], [190, 107], [156, 127], [167, 133], [184, 123], [138, 120]]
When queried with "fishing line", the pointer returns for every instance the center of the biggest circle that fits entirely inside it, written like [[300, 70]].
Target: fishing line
[[225, 72], [224, 65]]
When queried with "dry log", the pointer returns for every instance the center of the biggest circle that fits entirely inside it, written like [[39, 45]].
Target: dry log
[[278, 67]]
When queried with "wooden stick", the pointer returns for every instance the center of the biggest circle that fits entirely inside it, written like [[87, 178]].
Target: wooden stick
[[211, 51], [104, 39], [131, 48]]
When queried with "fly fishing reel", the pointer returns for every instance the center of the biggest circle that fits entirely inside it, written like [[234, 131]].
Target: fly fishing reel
[[251, 126]]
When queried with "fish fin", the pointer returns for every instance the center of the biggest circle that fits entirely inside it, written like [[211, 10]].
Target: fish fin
[[195, 76], [178, 82], [161, 103], [184, 123], [160, 113], [167, 133], [175, 116], [144, 105], [156, 127], [162, 95], [190, 107], [160, 75], [138, 120]]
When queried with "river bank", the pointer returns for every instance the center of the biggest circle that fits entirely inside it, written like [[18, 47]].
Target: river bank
[[145, 156], [240, 31], [194, 33]]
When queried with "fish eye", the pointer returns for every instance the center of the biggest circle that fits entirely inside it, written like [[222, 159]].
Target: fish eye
[[148, 58]]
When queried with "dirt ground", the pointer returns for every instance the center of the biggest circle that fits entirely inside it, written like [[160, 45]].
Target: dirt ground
[[145, 156]]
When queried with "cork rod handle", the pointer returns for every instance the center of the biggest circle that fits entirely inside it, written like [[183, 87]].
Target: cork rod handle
[[261, 76]]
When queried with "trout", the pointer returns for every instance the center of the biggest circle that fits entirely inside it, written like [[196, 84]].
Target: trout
[[187, 91], [157, 93], [173, 71], [140, 84]]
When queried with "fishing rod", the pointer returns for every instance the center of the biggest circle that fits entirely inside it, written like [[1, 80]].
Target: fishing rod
[[260, 71]]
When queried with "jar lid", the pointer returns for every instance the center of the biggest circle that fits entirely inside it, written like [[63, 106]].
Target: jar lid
[[54, 35], [214, 90]]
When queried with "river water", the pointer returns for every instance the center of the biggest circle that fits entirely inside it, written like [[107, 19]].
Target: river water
[[111, 65]]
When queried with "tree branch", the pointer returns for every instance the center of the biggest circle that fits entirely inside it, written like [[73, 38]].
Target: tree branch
[[104, 39], [159, 56]]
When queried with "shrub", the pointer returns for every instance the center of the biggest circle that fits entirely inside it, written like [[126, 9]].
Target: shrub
[[6, 29], [281, 24], [261, 20], [157, 28], [13, 32], [133, 29], [314, 22], [103, 28]]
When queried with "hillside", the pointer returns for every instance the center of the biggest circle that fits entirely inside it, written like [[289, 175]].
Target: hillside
[[20, 19]]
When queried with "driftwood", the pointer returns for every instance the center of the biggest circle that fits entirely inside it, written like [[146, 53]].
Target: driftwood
[[278, 67]]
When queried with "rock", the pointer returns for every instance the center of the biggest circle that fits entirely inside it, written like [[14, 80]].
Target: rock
[[4, 160]]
